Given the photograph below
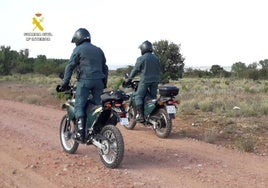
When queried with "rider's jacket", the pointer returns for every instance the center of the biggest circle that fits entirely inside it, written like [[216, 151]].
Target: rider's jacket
[[89, 61], [148, 67]]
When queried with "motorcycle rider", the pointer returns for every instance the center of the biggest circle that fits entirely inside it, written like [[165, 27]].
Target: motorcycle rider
[[148, 66], [92, 74]]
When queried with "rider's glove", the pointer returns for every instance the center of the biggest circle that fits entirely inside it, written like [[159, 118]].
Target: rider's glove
[[128, 81], [58, 88], [65, 85]]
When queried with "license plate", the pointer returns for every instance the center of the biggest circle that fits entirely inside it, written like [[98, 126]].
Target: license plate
[[171, 110], [124, 121]]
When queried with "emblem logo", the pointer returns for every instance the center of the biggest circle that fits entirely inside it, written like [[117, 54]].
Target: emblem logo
[[38, 33], [37, 21]]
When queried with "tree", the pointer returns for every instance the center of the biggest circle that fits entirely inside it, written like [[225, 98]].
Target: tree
[[196, 73], [124, 70], [253, 66], [8, 58], [238, 68], [264, 64], [171, 60], [264, 69], [216, 70], [24, 53]]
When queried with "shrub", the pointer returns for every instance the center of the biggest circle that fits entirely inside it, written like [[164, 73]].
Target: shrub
[[210, 135], [33, 99], [246, 144]]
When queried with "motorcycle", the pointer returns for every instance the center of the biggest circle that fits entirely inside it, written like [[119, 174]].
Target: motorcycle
[[158, 113], [101, 130]]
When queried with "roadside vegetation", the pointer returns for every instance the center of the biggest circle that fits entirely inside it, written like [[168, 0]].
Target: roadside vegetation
[[224, 111]]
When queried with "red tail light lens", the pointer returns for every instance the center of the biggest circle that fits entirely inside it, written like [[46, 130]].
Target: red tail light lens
[[117, 104], [170, 102], [122, 115]]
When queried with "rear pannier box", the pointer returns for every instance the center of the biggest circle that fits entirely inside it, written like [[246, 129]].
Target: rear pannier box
[[168, 91]]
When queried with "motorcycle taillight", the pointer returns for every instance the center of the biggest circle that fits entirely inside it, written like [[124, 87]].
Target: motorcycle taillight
[[170, 102], [117, 104], [122, 115]]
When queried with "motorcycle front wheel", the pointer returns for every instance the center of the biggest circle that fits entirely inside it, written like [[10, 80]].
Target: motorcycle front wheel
[[164, 127], [112, 154], [131, 114], [67, 128]]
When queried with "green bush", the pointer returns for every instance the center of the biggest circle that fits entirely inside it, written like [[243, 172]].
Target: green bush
[[246, 144]]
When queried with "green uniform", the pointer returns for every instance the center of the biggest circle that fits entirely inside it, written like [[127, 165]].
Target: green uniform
[[92, 71], [148, 67]]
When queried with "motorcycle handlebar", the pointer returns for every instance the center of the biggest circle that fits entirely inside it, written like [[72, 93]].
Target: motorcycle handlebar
[[125, 84], [130, 84], [59, 88]]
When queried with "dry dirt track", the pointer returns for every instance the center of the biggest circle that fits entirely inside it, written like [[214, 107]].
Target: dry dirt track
[[31, 156]]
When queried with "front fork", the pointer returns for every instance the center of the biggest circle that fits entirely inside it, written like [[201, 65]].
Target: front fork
[[70, 110]]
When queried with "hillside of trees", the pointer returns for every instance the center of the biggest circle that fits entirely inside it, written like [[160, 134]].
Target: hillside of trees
[[172, 64], [12, 62]]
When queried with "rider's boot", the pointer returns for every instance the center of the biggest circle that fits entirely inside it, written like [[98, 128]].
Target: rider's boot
[[81, 124], [140, 114]]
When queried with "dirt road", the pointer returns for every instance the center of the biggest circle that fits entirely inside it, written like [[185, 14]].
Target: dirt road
[[31, 156]]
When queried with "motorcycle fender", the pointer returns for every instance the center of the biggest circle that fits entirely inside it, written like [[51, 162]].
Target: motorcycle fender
[[70, 112]]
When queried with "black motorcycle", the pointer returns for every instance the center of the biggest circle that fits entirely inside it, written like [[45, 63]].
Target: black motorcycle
[[101, 127], [158, 113]]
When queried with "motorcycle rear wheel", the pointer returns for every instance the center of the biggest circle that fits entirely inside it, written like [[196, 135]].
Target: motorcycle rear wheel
[[67, 128], [113, 153], [164, 127]]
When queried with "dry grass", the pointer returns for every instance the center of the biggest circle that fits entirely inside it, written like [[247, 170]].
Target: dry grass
[[226, 110]]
